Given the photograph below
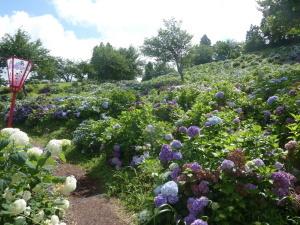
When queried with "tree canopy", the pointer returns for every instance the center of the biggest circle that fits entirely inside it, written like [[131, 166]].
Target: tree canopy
[[171, 44], [281, 21]]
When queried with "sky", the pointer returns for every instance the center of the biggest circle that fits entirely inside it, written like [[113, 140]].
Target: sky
[[71, 28]]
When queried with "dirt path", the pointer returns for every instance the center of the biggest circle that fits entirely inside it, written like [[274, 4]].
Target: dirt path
[[88, 206]]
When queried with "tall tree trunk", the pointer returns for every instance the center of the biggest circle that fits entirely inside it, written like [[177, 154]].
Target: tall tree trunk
[[180, 70]]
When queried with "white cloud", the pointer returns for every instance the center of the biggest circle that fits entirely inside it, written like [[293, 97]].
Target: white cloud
[[129, 22], [54, 37]]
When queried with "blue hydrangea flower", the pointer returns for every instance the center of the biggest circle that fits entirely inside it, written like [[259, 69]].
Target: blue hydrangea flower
[[160, 200], [105, 105], [193, 131], [199, 222], [169, 189], [272, 99], [157, 190], [236, 120], [195, 167], [278, 165], [227, 165], [214, 120], [203, 187], [282, 181], [175, 173], [176, 144], [169, 137], [220, 95]]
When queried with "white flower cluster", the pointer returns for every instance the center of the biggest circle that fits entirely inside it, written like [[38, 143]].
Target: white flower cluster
[[35, 151], [69, 185], [55, 146], [54, 221], [16, 136]]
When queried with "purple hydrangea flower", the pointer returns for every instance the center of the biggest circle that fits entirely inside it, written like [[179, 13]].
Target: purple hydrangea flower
[[176, 144], [227, 165], [160, 200], [282, 182], [267, 114], [199, 222], [182, 129], [196, 205], [189, 219], [258, 162], [195, 167], [166, 153], [193, 131], [220, 95], [272, 99], [172, 199], [175, 173], [203, 187], [239, 110], [177, 155], [116, 162]]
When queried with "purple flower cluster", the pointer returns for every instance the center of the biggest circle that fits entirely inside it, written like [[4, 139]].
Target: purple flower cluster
[[137, 160], [279, 110], [282, 182], [60, 114], [193, 131], [227, 165], [199, 222], [166, 154], [220, 95], [195, 167], [203, 187], [176, 144], [272, 99], [182, 129], [195, 206]]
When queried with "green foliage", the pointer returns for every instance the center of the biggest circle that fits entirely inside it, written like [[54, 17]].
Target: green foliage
[[254, 39], [281, 21], [226, 50], [153, 70], [205, 40], [112, 64], [171, 44], [201, 54]]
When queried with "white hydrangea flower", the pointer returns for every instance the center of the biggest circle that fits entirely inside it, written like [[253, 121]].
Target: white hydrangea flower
[[54, 146], [150, 128], [9, 131], [35, 151], [144, 216], [27, 211], [69, 185], [54, 220], [18, 206], [19, 138]]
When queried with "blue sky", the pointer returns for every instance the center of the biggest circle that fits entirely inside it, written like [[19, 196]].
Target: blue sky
[[71, 28]]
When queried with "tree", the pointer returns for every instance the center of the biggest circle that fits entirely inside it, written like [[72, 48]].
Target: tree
[[254, 39], [85, 70], [20, 45], [112, 64], [171, 44], [67, 69], [205, 40], [226, 50], [153, 70], [281, 21], [201, 54]]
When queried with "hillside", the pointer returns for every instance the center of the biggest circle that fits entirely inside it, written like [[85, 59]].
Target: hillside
[[222, 147]]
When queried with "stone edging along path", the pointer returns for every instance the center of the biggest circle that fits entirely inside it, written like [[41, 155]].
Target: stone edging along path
[[87, 205]]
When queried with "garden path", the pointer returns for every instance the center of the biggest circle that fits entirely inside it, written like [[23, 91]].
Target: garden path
[[87, 205]]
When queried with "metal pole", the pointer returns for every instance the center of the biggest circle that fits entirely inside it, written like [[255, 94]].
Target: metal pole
[[11, 110]]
